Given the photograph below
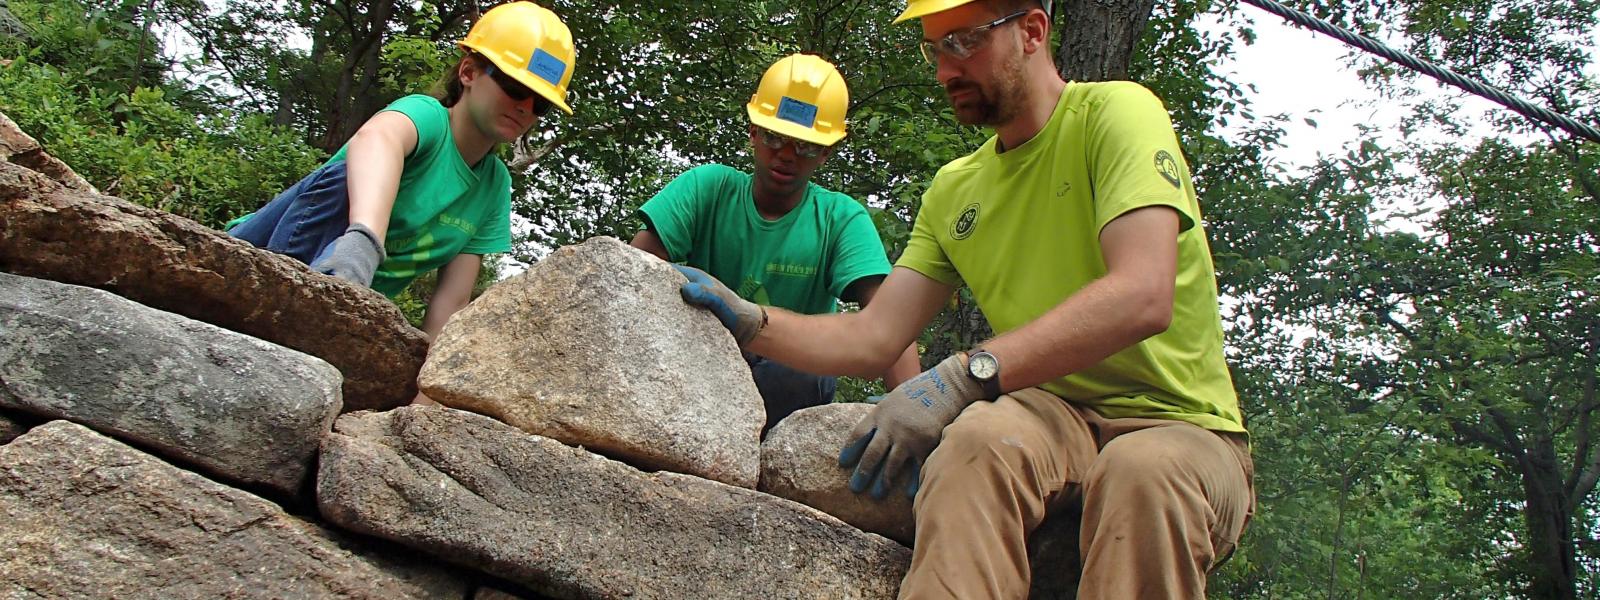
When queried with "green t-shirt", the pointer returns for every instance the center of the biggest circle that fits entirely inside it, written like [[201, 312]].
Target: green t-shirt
[[803, 261], [443, 207], [1022, 229]]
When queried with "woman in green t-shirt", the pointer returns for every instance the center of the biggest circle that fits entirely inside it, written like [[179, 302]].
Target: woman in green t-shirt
[[418, 187]]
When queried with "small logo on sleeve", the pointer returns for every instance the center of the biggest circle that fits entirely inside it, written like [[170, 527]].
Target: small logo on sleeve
[[1168, 167], [966, 223]]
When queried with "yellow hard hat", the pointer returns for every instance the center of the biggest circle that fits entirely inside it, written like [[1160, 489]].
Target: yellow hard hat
[[529, 43], [919, 8], [802, 96]]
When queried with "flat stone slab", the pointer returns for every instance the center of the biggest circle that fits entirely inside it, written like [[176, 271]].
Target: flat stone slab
[[595, 347], [175, 264], [89, 517], [237, 407], [573, 524]]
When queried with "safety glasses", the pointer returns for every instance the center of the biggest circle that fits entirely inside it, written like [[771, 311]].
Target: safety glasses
[[516, 91], [962, 43], [775, 141]]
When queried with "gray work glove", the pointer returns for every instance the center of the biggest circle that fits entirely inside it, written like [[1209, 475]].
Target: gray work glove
[[902, 430], [353, 257], [743, 318]]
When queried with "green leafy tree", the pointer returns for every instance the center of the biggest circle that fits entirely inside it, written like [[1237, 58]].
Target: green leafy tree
[[1478, 330], [80, 87]]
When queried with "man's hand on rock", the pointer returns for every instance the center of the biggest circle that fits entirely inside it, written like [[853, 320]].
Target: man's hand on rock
[[902, 430]]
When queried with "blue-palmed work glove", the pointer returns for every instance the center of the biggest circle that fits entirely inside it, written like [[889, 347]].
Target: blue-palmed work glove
[[902, 430], [742, 317], [353, 257]]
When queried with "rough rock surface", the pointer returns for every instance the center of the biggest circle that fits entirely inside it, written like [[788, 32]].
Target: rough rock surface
[[174, 264], [800, 461], [20, 148], [238, 407], [89, 517], [573, 524], [594, 346]]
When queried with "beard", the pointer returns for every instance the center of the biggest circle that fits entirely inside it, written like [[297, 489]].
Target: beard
[[995, 104]]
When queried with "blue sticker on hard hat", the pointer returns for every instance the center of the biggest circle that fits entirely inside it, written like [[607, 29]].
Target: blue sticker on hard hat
[[547, 67], [795, 111]]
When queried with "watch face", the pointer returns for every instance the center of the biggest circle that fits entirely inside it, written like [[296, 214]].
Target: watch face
[[983, 365]]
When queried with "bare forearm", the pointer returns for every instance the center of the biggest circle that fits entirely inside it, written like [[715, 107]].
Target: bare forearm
[[374, 161], [439, 313], [904, 368], [454, 292], [836, 344], [374, 178]]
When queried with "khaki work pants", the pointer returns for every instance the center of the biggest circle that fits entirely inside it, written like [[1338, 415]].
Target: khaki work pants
[[1163, 500]]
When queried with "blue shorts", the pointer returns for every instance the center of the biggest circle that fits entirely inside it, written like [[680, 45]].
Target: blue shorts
[[305, 219]]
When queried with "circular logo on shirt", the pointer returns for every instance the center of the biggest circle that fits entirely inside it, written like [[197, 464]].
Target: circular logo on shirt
[[966, 223], [1168, 167]]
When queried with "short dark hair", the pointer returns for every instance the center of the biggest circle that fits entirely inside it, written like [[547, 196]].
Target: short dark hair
[[449, 89]]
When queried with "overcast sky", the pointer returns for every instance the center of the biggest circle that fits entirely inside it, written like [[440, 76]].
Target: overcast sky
[[1304, 74]]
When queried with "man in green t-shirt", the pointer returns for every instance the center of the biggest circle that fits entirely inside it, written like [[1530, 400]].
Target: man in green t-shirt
[[1077, 229], [775, 236]]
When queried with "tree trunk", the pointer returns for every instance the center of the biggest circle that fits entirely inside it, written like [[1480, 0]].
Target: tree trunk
[[353, 102], [1098, 37], [1549, 524], [293, 84]]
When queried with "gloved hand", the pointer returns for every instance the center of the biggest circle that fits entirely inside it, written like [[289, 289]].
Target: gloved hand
[[902, 430], [353, 257], [742, 317]]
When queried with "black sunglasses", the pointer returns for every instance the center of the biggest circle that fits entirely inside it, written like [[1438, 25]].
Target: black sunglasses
[[516, 91]]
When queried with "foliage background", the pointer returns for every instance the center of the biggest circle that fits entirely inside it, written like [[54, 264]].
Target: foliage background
[[1412, 322]]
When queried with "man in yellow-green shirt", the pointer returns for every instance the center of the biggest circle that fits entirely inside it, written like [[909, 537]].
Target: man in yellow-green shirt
[[1077, 229]]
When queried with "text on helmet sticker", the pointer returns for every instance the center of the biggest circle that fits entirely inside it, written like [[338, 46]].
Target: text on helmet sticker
[[547, 67], [795, 111]]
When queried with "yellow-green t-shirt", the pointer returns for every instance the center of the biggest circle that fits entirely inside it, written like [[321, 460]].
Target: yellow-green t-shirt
[[1022, 229]]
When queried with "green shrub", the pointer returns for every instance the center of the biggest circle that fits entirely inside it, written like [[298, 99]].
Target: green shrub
[[146, 150]]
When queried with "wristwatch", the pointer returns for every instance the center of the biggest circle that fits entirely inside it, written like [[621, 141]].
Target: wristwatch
[[984, 368]]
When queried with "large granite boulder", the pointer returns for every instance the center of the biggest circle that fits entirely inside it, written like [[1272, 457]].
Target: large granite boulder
[[238, 407], [573, 524], [800, 461], [89, 517], [594, 346], [174, 264]]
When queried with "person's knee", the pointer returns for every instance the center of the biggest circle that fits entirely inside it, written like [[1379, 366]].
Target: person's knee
[[977, 438], [1151, 462]]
